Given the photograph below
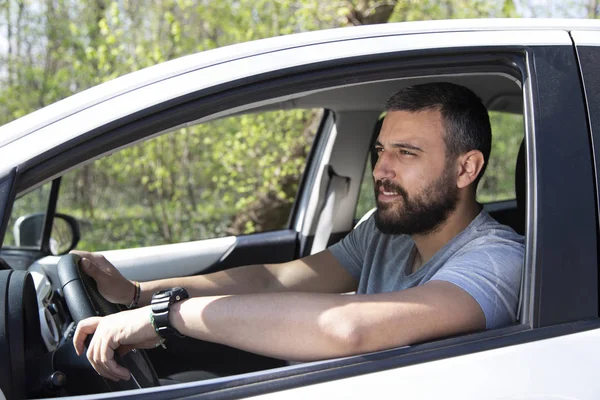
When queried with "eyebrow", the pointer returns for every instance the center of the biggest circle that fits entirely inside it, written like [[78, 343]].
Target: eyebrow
[[402, 145]]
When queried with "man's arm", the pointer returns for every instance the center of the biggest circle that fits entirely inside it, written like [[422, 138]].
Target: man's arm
[[320, 272], [296, 326], [304, 326]]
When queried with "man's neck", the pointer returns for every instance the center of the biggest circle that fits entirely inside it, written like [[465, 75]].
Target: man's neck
[[429, 244]]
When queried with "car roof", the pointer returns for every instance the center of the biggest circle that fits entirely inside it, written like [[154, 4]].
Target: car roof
[[80, 101]]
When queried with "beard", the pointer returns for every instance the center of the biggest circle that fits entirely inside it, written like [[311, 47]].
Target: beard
[[419, 214]]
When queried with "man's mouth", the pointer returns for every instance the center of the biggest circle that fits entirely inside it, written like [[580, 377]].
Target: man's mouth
[[388, 192], [387, 195]]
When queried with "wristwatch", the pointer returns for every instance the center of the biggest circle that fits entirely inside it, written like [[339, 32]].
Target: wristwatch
[[161, 302]]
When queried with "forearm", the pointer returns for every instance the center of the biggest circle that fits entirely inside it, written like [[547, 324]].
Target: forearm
[[293, 326], [320, 273], [242, 280], [312, 326]]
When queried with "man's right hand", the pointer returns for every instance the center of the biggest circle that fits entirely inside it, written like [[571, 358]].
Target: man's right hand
[[113, 286]]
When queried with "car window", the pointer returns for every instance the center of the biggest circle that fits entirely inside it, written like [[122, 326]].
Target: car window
[[237, 175], [25, 226], [366, 197], [497, 184]]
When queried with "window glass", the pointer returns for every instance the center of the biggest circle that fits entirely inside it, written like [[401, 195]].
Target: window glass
[[366, 197], [498, 183], [237, 175], [26, 221]]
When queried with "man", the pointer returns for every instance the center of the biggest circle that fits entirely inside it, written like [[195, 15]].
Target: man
[[429, 263]]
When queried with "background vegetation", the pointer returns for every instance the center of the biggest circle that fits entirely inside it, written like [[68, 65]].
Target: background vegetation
[[227, 177]]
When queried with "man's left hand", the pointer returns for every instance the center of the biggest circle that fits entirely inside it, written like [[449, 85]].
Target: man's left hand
[[120, 332]]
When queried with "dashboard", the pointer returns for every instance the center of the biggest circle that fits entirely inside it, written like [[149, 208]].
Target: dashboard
[[55, 322]]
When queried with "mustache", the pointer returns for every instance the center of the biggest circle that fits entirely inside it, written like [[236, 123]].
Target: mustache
[[389, 186]]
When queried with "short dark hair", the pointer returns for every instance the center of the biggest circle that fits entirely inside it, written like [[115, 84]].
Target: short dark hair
[[465, 118]]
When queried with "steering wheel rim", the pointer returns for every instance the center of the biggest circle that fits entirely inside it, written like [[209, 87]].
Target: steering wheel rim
[[84, 301]]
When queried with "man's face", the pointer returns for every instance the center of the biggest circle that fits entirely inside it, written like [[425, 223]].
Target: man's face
[[415, 185]]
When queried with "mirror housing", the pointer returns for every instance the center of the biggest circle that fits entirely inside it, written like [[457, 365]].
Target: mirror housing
[[64, 236]]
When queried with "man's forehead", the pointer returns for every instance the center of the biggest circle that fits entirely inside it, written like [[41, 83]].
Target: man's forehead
[[420, 126]]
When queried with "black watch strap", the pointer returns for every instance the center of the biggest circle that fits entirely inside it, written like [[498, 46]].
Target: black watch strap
[[161, 303]]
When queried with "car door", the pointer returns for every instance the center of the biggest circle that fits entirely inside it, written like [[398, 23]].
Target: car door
[[552, 350], [561, 309]]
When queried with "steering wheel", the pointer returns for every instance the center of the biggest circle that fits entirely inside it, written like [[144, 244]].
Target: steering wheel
[[84, 301]]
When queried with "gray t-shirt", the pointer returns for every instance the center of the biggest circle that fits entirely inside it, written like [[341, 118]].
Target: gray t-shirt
[[485, 260]]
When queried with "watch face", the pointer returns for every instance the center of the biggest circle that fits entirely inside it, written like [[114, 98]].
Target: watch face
[[178, 294], [173, 295]]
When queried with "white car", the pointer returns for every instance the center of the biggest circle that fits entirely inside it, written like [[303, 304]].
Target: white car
[[541, 72]]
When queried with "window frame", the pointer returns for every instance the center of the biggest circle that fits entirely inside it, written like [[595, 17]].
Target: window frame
[[320, 114], [587, 48]]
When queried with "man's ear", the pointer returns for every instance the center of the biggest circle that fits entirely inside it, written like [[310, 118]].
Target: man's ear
[[470, 165]]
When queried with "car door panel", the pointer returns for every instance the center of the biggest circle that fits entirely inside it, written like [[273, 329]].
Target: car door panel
[[204, 256], [500, 374], [190, 258], [166, 261]]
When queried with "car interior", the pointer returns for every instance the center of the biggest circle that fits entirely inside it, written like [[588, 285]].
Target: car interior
[[354, 113]]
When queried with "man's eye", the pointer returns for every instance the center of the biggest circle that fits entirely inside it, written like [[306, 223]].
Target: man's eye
[[378, 150], [406, 153]]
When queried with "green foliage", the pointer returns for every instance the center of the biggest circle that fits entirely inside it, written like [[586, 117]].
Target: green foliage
[[193, 183], [366, 197], [498, 183]]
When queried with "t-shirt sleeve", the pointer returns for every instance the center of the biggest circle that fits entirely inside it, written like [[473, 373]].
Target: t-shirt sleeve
[[491, 274], [351, 250]]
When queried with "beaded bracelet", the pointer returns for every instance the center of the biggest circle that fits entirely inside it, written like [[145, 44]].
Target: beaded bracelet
[[162, 340], [136, 295]]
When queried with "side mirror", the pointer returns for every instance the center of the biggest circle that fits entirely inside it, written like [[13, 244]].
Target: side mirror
[[64, 236]]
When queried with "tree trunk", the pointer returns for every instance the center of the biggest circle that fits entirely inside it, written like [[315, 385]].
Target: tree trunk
[[368, 12], [593, 8], [9, 39]]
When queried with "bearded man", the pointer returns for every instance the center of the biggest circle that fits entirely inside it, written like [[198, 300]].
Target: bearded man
[[429, 263]]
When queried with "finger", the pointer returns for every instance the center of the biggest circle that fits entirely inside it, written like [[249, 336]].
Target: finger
[[96, 258], [99, 359], [100, 369], [107, 359], [84, 328], [88, 267], [94, 269], [81, 254], [121, 372]]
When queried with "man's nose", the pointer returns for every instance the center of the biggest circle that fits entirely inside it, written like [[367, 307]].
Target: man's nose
[[383, 167]]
